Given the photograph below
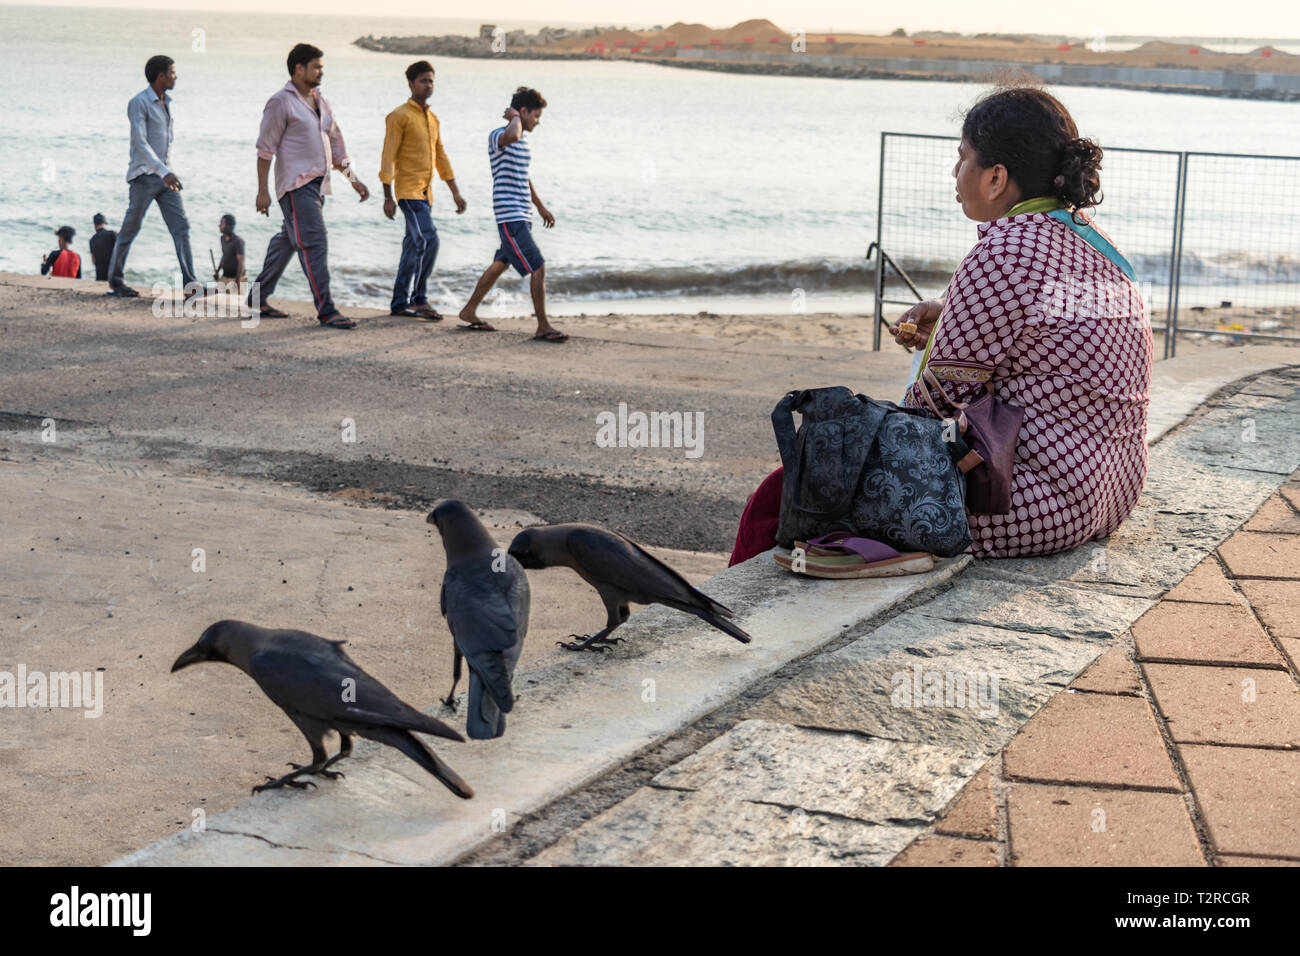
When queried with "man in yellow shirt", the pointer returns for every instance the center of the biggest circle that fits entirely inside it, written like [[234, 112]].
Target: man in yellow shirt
[[412, 152]]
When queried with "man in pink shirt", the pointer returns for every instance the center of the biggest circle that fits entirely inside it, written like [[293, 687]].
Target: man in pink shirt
[[299, 132]]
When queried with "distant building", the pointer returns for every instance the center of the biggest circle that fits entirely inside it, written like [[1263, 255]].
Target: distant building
[[486, 30]]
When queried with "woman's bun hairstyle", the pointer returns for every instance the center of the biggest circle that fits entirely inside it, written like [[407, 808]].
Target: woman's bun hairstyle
[[1032, 134], [1078, 184]]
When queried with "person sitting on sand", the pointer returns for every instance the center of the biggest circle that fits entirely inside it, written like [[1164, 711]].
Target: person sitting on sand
[[232, 251], [63, 262], [512, 191], [1046, 309]]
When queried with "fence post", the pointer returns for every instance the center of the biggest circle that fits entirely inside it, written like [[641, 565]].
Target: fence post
[[880, 256], [1171, 323], [1171, 296]]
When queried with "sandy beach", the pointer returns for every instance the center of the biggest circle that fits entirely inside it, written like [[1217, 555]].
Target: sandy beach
[[181, 433]]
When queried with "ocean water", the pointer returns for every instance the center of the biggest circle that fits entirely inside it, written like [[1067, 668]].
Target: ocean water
[[674, 189]]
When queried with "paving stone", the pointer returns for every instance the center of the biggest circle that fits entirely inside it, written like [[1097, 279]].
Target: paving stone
[[1084, 826], [1092, 738], [972, 813], [1249, 432], [1024, 657], [1205, 585], [877, 781], [1292, 648], [1228, 859], [1248, 797], [946, 851], [1277, 603], [880, 699], [1252, 554], [1291, 492], [656, 827], [1112, 673], [1276, 516], [1227, 705], [1203, 633], [1068, 612]]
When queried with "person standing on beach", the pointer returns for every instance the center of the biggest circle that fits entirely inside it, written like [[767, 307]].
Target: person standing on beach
[[101, 247], [232, 251], [63, 262], [512, 191], [412, 151], [300, 134], [151, 179]]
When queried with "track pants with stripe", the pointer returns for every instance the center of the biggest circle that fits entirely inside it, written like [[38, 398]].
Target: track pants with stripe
[[303, 234]]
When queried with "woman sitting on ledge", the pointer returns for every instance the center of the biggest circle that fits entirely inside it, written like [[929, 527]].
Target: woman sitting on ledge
[[1047, 309]]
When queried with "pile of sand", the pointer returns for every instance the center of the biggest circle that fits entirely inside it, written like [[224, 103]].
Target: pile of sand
[[760, 30], [611, 39], [686, 34]]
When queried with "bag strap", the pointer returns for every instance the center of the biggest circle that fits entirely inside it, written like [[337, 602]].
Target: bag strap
[[929, 378], [783, 427]]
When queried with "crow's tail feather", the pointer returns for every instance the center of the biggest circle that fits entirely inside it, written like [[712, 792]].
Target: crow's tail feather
[[484, 719], [410, 745], [722, 624]]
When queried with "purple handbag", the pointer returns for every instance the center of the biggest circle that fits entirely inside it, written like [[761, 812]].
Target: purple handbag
[[992, 428]]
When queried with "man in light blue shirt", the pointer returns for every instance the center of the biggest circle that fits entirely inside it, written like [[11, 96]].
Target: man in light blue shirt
[[150, 178]]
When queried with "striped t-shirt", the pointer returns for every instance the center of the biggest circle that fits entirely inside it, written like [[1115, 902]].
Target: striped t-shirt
[[511, 199]]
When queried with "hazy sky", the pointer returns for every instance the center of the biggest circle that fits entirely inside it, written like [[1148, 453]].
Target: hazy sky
[[1267, 18]]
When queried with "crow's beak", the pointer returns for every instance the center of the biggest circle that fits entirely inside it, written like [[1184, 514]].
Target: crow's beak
[[524, 557], [431, 520], [192, 656]]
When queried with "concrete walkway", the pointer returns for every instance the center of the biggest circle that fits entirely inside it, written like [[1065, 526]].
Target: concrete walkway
[[682, 747], [1178, 747], [854, 757]]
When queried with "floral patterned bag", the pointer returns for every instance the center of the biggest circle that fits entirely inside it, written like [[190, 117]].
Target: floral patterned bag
[[872, 468]]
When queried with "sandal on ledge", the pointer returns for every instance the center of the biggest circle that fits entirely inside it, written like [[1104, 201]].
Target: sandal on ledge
[[842, 555]]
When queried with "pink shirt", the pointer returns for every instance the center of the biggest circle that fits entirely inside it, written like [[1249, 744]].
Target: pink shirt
[[303, 138]]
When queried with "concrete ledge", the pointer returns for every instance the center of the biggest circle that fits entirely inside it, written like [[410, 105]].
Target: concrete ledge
[[839, 743], [1044, 618], [575, 720]]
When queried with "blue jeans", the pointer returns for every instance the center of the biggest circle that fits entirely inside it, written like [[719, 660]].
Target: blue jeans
[[419, 251]]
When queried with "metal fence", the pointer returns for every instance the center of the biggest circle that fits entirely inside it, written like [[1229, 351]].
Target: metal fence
[[1211, 237]]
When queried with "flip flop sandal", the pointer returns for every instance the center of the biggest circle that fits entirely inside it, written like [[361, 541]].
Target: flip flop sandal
[[555, 335], [338, 322], [842, 555], [407, 313], [270, 313], [427, 312], [476, 327], [123, 292]]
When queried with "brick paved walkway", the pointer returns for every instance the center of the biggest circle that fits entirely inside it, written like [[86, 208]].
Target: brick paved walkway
[[1179, 747]]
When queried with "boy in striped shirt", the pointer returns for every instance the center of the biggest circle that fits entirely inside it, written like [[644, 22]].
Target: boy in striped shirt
[[512, 198]]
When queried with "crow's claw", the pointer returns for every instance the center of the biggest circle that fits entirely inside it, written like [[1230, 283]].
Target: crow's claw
[[585, 642]]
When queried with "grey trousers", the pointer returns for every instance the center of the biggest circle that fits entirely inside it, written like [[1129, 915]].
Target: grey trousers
[[303, 234], [146, 189]]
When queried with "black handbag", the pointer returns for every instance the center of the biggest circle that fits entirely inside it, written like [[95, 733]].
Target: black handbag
[[873, 468]]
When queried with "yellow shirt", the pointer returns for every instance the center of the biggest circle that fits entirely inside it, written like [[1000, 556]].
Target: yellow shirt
[[412, 149]]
